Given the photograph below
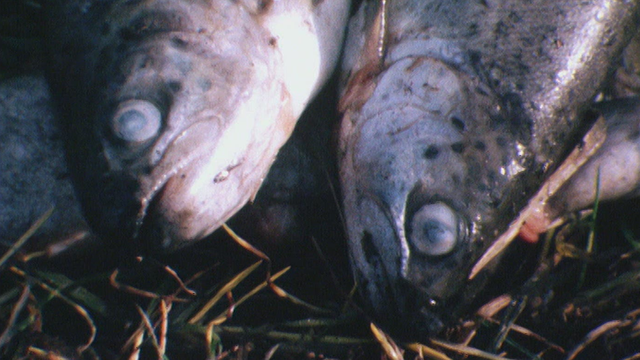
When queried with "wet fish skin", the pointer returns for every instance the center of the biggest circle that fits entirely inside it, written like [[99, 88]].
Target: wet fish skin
[[616, 164], [216, 88], [454, 115], [34, 177]]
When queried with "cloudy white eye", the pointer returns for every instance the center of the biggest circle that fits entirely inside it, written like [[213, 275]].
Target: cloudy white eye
[[136, 121], [435, 229]]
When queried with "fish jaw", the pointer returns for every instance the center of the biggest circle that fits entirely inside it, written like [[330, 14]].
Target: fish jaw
[[418, 183], [177, 109], [221, 110], [208, 160], [196, 192], [542, 88]]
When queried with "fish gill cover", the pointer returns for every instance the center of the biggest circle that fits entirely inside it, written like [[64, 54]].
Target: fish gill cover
[[455, 113], [175, 110]]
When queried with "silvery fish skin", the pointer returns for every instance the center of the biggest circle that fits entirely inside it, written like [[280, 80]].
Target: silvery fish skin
[[455, 112], [34, 178], [175, 109], [615, 169]]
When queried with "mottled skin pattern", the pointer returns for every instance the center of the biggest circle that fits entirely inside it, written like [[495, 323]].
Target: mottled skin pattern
[[211, 90], [447, 104]]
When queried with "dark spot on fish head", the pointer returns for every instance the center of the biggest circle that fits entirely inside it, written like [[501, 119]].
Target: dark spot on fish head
[[264, 5], [179, 43], [457, 147], [174, 86], [431, 152], [481, 91], [482, 187], [455, 179], [480, 145], [457, 123], [370, 251], [273, 42], [204, 84]]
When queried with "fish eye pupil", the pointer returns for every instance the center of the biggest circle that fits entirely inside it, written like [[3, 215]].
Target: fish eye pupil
[[136, 121], [132, 121], [434, 230]]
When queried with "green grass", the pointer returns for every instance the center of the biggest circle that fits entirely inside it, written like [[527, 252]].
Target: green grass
[[225, 308]]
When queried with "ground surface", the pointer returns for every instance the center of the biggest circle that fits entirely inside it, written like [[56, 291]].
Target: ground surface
[[551, 300]]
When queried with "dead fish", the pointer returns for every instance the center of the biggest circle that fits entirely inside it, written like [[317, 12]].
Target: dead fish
[[454, 114], [176, 109], [35, 178]]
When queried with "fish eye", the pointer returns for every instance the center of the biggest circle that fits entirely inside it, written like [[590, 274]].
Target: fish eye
[[435, 229], [136, 121]]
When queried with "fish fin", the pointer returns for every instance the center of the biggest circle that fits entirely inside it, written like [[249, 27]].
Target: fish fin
[[536, 208], [361, 82]]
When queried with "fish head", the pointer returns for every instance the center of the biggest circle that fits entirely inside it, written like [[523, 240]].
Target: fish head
[[184, 115], [424, 163], [176, 109]]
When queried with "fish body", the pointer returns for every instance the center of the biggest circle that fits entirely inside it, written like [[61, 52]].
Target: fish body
[[176, 109], [34, 177], [615, 169], [455, 112]]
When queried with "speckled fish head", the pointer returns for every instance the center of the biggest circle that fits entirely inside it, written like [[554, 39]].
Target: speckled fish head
[[178, 117], [423, 165], [186, 106], [455, 113]]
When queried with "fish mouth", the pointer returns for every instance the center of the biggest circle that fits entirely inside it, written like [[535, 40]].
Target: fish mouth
[[188, 194], [406, 288]]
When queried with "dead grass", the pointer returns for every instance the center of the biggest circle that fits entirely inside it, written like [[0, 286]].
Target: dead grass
[[577, 296]]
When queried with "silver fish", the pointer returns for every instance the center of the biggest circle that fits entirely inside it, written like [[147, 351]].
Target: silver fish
[[455, 112], [34, 178], [175, 109]]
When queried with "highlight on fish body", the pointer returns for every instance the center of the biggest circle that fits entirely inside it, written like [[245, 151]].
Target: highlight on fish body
[[454, 115], [175, 110]]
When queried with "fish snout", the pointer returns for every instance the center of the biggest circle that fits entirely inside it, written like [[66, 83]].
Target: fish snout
[[438, 244], [410, 260]]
